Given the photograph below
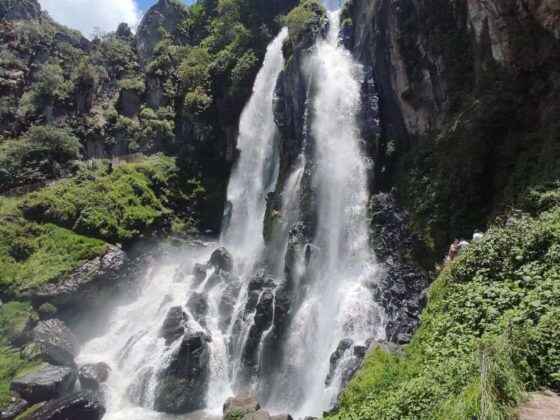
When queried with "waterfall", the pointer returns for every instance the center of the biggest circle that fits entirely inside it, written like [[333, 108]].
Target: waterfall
[[256, 171], [328, 274], [337, 305]]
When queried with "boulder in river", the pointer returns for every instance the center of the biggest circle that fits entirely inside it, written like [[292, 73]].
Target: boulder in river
[[45, 383], [83, 405], [198, 306], [93, 375], [238, 406], [183, 384], [174, 325], [221, 259], [57, 344], [199, 273]]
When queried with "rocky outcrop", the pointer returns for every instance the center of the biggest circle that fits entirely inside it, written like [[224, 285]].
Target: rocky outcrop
[[92, 375], [45, 383], [221, 259], [56, 343], [246, 407], [164, 15], [20, 10], [183, 384], [83, 405], [87, 285], [401, 290], [174, 325]]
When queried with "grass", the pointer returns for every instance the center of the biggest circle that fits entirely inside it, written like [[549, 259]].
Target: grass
[[117, 205], [489, 333]]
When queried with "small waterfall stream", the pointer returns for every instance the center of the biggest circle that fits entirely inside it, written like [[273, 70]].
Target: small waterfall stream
[[328, 276]]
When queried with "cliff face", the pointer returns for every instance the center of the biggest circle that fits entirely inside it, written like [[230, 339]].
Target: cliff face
[[466, 99]]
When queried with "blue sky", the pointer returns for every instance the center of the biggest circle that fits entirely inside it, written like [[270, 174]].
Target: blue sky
[[93, 16]]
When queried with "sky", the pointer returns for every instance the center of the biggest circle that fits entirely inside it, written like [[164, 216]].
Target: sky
[[91, 16]]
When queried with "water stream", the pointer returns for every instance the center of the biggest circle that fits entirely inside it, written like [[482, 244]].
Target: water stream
[[333, 271]]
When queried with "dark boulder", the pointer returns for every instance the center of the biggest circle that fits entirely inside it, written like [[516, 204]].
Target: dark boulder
[[401, 290], [262, 321], [183, 384], [198, 306], [93, 375], [174, 325], [14, 409], [56, 342], [221, 259], [241, 405], [199, 273], [83, 405], [227, 304], [45, 383], [335, 358]]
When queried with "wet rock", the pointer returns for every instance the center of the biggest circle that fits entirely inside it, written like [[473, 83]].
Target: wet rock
[[83, 405], [258, 415], [198, 305], [221, 259], [45, 383], [183, 384], [199, 273], [335, 358], [57, 343], [174, 325], [262, 321], [14, 409], [241, 405], [137, 391], [401, 290], [227, 304], [93, 375], [282, 417], [87, 285]]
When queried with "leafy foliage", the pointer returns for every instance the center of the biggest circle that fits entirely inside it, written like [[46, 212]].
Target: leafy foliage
[[116, 205], [490, 330]]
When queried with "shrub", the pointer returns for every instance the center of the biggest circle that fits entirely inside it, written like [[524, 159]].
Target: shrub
[[489, 332]]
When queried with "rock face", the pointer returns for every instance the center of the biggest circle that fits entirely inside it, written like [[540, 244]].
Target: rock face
[[246, 407], [402, 289], [14, 409], [174, 325], [165, 14], [182, 385], [56, 342], [87, 284], [221, 259], [93, 375], [84, 405], [45, 383], [20, 10]]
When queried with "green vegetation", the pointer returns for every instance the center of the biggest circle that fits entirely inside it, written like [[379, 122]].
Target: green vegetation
[[118, 205], [15, 318], [32, 254], [44, 152], [489, 332], [305, 21]]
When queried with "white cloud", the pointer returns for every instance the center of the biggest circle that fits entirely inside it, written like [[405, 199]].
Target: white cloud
[[89, 16]]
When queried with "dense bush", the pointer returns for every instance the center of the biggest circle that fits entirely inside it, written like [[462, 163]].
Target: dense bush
[[489, 332], [116, 205]]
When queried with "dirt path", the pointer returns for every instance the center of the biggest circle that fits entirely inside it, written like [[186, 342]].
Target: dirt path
[[544, 405]]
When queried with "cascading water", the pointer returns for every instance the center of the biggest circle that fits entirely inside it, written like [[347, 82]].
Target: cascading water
[[327, 276], [337, 306]]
